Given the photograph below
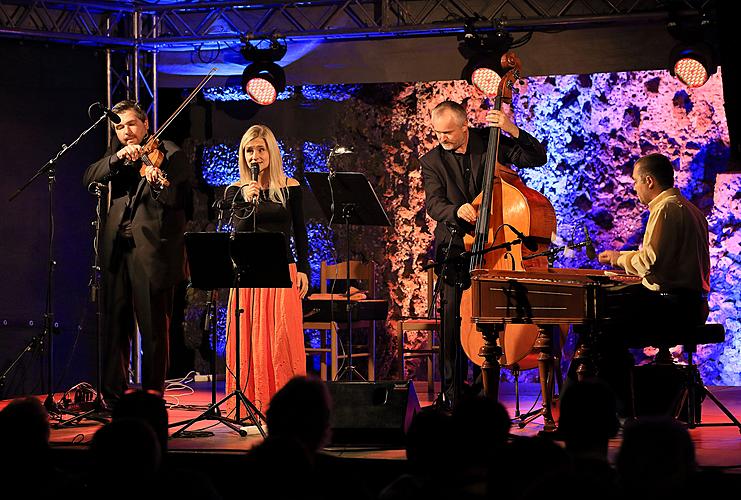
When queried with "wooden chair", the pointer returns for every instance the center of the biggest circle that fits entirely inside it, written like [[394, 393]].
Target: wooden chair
[[428, 349], [332, 350]]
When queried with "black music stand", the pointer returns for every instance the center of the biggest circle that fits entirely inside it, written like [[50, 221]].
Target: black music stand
[[236, 260], [359, 205]]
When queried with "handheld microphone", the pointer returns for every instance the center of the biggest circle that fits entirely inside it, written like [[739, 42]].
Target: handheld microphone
[[589, 247], [110, 114], [254, 171], [527, 241]]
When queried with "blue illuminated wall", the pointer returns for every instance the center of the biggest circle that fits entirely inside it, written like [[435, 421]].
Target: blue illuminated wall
[[594, 126]]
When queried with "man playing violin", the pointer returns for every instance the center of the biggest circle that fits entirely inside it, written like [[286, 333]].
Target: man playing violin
[[142, 248], [453, 176]]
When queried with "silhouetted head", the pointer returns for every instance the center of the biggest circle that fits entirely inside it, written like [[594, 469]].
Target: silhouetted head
[[300, 410], [657, 456], [147, 406], [482, 426], [588, 416], [430, 440], [24, 431], [127, 444]]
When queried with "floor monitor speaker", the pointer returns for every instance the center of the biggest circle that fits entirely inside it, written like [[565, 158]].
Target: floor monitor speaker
[[372, 413]]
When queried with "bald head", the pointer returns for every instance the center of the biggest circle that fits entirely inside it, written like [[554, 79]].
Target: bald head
[[449, 122], [452, 108]]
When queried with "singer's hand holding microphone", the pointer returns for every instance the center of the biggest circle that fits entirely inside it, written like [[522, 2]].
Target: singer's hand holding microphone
[[251, 191]]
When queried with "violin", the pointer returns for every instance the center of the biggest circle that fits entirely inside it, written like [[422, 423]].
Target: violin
[[151, 154]]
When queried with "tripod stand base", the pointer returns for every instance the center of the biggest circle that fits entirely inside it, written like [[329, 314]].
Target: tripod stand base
[[690, 397], [351, 372], [98, 413], [213, 412]]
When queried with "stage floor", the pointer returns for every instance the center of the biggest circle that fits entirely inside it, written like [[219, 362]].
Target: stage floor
[[716, 447]]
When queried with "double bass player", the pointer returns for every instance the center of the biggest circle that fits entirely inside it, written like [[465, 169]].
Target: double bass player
[[453, 175]]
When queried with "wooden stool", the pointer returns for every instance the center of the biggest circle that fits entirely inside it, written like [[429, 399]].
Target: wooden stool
[[692, 389]]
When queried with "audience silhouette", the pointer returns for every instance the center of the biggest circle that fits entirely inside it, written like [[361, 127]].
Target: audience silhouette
[[587, 421], [126, 459], [300, 410], [656, 459], [148, 408], [468, 453], [26, 458]]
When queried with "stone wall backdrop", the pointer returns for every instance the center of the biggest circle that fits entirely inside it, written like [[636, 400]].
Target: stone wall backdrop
[[595, 127]]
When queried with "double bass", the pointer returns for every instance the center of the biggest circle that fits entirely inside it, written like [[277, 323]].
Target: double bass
[[505, 202]]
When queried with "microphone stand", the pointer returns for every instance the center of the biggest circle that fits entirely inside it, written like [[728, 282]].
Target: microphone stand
[[94, 413], [551, 253], [49, 324], [442, 401]]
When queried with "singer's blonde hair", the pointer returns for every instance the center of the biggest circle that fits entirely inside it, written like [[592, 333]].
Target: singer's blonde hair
[[278, 180]]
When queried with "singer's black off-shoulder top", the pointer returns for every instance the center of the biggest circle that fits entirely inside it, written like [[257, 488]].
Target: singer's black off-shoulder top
[[272, 217]]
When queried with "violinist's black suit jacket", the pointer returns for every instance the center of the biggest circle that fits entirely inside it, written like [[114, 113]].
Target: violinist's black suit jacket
[[140, 271], [158, 220]]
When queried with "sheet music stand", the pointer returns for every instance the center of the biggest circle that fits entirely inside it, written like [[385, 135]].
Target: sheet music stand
[[237, 260], [358, 205]]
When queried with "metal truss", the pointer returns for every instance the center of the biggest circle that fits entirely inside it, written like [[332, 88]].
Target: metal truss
[[134, 32], [188, 24]]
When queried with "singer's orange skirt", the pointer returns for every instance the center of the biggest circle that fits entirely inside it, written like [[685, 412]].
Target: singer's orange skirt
[[271, 342]]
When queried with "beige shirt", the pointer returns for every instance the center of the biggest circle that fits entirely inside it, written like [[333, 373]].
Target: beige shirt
[[675, 252]]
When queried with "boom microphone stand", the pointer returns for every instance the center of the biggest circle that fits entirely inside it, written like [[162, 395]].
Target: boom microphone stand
[[94, 413], [49, 169], [442, 401]]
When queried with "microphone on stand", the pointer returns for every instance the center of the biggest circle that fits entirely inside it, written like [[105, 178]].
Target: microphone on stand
[[102, 109], [527, 241], [589, 247], [254, 171]]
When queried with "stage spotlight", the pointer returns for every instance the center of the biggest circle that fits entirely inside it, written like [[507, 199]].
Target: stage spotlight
[[481, 73], [484, 53], [263, 79], [692, 60], [692, 63]]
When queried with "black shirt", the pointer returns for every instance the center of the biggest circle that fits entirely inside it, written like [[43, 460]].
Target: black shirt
[[272, 216]]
